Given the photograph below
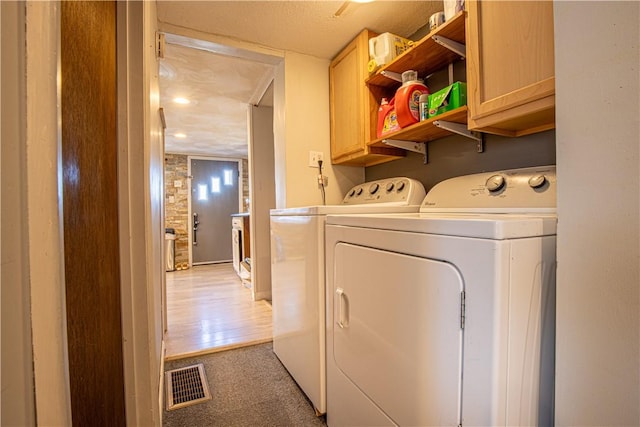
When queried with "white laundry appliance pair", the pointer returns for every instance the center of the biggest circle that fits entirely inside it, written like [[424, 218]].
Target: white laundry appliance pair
[[298, 281], [446, 317]]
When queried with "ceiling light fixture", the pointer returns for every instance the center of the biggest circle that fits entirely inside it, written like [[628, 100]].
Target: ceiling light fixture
[[341, 9], [344, 6], [181, 100]]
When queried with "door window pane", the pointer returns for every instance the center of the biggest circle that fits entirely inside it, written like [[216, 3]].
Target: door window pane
[[215, 184], [202, 191]]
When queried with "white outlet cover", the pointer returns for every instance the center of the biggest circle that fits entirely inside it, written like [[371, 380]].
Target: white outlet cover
[[314, 156]]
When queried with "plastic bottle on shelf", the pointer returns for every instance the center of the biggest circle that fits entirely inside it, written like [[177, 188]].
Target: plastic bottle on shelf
[[424, 106], [387, 121], [408, 98]]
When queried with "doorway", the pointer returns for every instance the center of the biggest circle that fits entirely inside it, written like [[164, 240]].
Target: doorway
[[198, 140]]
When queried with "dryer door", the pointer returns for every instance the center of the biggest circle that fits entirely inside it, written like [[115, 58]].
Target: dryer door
[[397, 333]]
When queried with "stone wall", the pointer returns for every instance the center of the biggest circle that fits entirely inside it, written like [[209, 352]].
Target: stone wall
[[176, 200]]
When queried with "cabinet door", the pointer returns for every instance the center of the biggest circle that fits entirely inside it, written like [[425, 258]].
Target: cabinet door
[[510, 66], [351, 108], [348, 130]]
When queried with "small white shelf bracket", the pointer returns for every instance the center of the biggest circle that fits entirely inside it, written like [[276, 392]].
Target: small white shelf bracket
[[452, 45], [417, 147], [391, 75], [461, 129]]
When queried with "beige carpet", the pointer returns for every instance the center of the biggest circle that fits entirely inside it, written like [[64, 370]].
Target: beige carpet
[[249, 387]]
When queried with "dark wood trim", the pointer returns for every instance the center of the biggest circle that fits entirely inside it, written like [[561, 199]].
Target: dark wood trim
[[90, 212]]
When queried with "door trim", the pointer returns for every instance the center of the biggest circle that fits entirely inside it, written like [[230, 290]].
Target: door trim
[[189, 192]]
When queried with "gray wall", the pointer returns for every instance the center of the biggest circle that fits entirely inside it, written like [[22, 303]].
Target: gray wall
[[598, 281], [457, 155]]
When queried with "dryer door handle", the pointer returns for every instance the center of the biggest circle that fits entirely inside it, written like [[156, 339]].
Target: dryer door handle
[[343, 308]]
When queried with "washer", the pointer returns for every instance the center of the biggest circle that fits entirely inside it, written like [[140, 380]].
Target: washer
[[446, 317], [297, 275]]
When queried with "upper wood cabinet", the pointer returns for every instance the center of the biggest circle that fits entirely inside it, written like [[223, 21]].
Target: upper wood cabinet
[[510, 66], [351, 106]]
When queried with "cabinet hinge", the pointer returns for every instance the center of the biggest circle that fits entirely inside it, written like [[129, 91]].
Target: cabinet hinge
[[462, 309], [160, 45]]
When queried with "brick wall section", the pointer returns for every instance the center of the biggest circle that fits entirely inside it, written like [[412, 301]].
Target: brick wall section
[[176, 200]]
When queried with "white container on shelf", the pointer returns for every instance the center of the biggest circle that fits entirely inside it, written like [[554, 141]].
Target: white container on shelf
[[385, 47], [451, 7]]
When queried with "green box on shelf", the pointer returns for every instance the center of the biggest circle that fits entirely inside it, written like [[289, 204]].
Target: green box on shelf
[[447, 99]]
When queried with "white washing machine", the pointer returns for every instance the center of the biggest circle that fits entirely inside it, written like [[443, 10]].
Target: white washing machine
[[298, 281], [446, 317]]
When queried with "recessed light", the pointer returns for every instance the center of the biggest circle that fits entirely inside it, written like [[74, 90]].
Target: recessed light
[[181, 100], [180, 135]]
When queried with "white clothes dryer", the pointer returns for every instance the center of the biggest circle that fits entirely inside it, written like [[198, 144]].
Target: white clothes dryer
[[298, 281], [446, 317]]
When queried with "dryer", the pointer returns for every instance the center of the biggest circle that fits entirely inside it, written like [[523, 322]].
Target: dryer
[[298, 281], [446, 316]]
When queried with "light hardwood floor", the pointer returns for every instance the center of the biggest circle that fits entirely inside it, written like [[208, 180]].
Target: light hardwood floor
[[208, 310]]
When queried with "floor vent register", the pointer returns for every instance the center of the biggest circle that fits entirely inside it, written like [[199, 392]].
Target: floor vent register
[[186, 386]]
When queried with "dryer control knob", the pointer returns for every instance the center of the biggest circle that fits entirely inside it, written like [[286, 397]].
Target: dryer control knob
[[373, 188], [495, 183], [537, 181], [359, 191], [401, 186], [390, 186], [352, 192]]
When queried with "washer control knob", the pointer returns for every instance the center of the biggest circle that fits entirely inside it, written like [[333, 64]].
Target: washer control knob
[[358, 191], [400, 187], [352, 192], [373, 188], [495, 183], [537, 181], [390, 186]]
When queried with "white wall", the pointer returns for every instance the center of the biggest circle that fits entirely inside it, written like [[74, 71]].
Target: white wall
[[598, 281], [16, 371], [262, 193], [307, 127], [141, 217]]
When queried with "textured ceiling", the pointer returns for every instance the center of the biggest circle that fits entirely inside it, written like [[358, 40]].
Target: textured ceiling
[[221, 87]]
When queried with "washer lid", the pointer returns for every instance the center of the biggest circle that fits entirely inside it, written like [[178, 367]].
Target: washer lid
[[485, 226]]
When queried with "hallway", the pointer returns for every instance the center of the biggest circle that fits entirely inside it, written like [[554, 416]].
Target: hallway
[[209, 310]]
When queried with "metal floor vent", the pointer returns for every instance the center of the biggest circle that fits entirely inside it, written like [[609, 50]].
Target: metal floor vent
[[186, 386]]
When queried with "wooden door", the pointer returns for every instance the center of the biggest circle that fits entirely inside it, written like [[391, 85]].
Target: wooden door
[[90, 212], [347, 88], [510, 66]]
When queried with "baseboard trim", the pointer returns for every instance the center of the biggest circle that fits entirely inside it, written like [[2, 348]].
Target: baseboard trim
[[216, 349]]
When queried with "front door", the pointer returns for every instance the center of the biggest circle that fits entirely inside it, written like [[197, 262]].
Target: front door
[[214, 197]]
